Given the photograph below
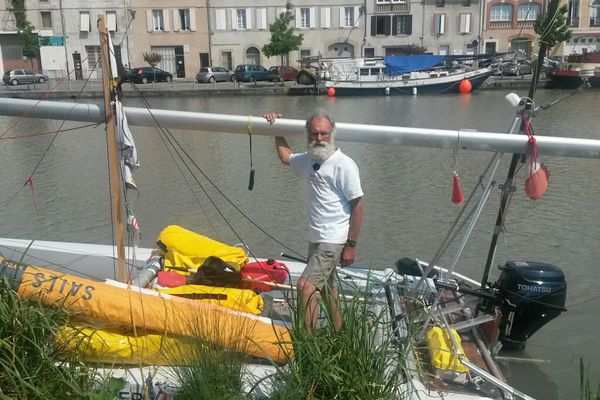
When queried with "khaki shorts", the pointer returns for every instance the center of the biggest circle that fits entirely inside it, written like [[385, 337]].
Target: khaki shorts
[[322, 260]]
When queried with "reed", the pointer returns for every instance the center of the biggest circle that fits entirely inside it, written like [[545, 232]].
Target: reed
[[586, 390], [357, 362], [206, 369], [31, 365]]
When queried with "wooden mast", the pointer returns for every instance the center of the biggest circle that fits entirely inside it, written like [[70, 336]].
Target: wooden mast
[[114, 174]]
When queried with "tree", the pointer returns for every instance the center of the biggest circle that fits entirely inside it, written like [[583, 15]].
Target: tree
[[554, 31], [415, 49], [152, 58], [283, 39], [29, 40]]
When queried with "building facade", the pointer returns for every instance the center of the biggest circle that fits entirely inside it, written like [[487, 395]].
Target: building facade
[[178, 31], [509, 26], [583, 18], [239, 31]]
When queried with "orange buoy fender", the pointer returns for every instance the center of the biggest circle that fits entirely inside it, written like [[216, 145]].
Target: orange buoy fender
[[331, 91], [94, 301], [465, 86]]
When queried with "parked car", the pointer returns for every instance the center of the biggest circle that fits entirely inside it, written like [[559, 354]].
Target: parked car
[[214, 74], [516, 68], [285, 73], [253, 73], [22, 76], [149, 74]]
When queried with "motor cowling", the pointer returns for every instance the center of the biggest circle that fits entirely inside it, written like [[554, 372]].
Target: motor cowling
[[531, 294]]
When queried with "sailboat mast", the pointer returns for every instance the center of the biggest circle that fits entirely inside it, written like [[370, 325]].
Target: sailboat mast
[[114, 175], [507, 191]]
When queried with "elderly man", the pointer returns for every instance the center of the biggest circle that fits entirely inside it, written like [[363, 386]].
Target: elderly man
[[335, 211]]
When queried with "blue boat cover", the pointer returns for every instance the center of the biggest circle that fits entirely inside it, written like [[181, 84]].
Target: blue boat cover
[[397, 65]]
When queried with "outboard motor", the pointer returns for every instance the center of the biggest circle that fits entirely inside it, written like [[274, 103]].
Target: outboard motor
[[532, 294]]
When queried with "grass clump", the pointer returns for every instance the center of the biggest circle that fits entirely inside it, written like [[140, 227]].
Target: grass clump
[[587, 393], [31, 365], [357, 362]]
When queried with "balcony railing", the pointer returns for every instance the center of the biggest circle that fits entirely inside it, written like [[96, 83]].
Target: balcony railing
[[525, 24], [574, 22], [500, 24], [392, 8], [595, 21]]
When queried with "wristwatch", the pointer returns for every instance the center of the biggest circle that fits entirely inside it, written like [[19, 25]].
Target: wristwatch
[[351, 243]]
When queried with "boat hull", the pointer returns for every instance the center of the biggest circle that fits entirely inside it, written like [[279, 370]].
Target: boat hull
[[566, 79], [439, 85]]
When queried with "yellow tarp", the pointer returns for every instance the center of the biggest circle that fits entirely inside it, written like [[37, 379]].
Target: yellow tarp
[[184, 248], [237, 299], [116, 347], [442, 353]]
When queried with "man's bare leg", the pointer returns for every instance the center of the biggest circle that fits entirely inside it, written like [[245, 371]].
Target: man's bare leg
[[330, 297], [308, 300]]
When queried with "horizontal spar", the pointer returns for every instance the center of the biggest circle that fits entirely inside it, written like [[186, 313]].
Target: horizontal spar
[[238, 124]]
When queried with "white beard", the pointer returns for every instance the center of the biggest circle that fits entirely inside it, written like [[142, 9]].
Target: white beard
[[320, 151]]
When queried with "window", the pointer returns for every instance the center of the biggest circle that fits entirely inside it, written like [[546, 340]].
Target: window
[[240, 19], [369, 52], [304, 53], [348, 20], [501, 12], [84, 21], [529, 11], [574, 13], [94, 57], [595, 13], [46, 19], [444, 49], [465, 23], [111, 21], [305, 18], [466, 3], [226, 59], [440, 3], [158, 20], [184, 19], [439, 24], [402, 25], [381, 25]]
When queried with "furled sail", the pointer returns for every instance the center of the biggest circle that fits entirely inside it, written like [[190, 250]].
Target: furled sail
[[129, 159]]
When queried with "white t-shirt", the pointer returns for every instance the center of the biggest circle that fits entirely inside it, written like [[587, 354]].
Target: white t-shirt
[[331, 186]]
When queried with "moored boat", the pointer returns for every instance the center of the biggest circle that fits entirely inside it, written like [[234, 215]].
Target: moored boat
[[391, 75], [575, 70]]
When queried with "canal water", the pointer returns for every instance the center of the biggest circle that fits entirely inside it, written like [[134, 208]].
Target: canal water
[[407, 197]]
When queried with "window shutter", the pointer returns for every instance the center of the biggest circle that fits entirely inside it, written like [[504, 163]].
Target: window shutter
[[388, 23], [111, 21], [248, 18], [84, 22], [298, 22], [465, 23], [221, 20], [313, 17], [373, 25], [356, 16], [261, 18], [166, 15], [176, 21], [395, 25], [342, 17], [326, 17], [149, 22], [193, 19], [409, 24], [442, 23], [234, 22]]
